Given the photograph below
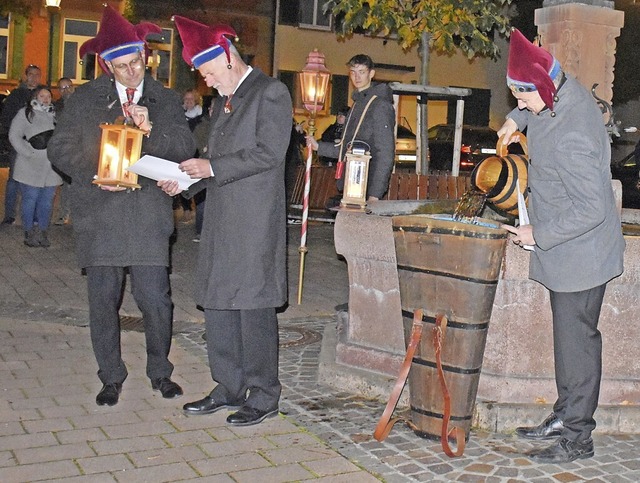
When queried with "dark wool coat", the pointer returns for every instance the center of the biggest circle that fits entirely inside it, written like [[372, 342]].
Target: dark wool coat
[[579, 242], [128, 227], [377, 130], [242, 260]]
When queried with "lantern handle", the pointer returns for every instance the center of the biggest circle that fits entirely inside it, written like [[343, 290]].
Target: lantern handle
[[503, 149]]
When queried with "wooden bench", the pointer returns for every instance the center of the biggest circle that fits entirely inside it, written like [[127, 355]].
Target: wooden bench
[[402, 186]]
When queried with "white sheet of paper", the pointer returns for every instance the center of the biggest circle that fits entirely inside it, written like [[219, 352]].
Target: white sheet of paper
[[157, 168], [523, 214]]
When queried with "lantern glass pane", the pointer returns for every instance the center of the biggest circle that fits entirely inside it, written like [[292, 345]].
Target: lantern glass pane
[[355, 185], [110, 155]]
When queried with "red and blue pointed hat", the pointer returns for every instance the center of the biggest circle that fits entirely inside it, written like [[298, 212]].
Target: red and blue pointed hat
[[203, 43], [531, 68], [117, 36]]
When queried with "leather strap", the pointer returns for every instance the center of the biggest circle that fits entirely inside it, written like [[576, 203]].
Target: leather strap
[[438, 340], [386, 423]]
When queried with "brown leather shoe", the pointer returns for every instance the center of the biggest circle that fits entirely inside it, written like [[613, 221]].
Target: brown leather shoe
[[109, 394], [549, 428]]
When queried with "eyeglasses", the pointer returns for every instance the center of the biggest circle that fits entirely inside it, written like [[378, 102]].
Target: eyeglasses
[[64, 88], [135, 64]]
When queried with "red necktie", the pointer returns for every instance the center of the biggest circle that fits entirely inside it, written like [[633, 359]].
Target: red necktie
[[227, 105], [131, 92]]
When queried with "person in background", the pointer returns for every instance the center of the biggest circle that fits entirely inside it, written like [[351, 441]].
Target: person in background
[[201, 133], [294, 160], [192, 105], [371, 120], [575, 232], [241, 276], [29, 134], [16, 100], [119, 231], [333, 134], [65, 89]]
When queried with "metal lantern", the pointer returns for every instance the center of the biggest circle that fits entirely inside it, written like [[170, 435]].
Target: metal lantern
[[314, 83], [120, 147], [354, 194]]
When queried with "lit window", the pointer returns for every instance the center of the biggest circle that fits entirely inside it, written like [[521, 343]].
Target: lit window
[[76, 32], [4, 46], [311, 15]]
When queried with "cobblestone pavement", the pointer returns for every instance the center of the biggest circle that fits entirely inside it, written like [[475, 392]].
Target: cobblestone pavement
[[40, 289]]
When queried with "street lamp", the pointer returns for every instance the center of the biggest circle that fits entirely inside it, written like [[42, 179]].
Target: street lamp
[[52, 6], [314, 81]]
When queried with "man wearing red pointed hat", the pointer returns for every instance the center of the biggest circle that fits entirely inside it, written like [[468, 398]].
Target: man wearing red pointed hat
[[122, 230], [575, 230], [241, 276]]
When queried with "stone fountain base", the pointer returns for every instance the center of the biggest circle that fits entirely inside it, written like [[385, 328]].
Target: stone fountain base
[[363, 352]]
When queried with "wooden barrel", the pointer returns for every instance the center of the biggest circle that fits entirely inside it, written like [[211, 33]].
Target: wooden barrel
[[498, 178], [450, 268]]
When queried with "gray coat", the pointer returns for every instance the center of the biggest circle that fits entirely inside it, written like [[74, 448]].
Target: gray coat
[[242, 260], [32, 165], [579, 242], [128, 227]]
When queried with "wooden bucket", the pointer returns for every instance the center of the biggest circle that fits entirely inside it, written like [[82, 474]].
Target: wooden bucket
[[449, 268], [497, 176]]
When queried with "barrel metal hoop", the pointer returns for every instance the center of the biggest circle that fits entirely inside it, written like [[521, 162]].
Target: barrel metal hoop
[[447, 275], [447, 231], [451, 369], [511, 188], [427, 319], [500, 182], [424, 412]]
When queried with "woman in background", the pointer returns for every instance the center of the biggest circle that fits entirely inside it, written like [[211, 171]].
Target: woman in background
[[30, 131]]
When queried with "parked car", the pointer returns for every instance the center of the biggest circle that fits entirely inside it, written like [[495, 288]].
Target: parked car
[[478, 143], [405, 148], [627, 170]]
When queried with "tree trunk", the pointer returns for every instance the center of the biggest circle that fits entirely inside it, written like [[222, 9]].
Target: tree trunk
[[422, 138]]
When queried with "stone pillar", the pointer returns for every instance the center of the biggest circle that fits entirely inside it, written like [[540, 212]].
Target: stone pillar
[[582, 36], [370, 336]]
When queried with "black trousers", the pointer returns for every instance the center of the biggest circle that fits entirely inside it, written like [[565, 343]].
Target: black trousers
[[242, 346], [577, 346], [151, 291]]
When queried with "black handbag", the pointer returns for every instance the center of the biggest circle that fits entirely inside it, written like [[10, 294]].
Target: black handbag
[[40, 141]]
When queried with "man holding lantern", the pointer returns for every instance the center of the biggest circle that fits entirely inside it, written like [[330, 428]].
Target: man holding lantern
[[119, 230]]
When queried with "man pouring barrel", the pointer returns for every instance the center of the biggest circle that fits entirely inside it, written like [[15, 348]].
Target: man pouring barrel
[[575, 231]]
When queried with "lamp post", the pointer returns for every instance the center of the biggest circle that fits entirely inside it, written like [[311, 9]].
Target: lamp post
[[314, 81], [53, 6]]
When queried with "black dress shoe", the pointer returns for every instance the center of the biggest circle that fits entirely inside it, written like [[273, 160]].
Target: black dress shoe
[[108, 395], [167, 387], [207, 405], [564, 451], [248, 416], [549, 428]]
